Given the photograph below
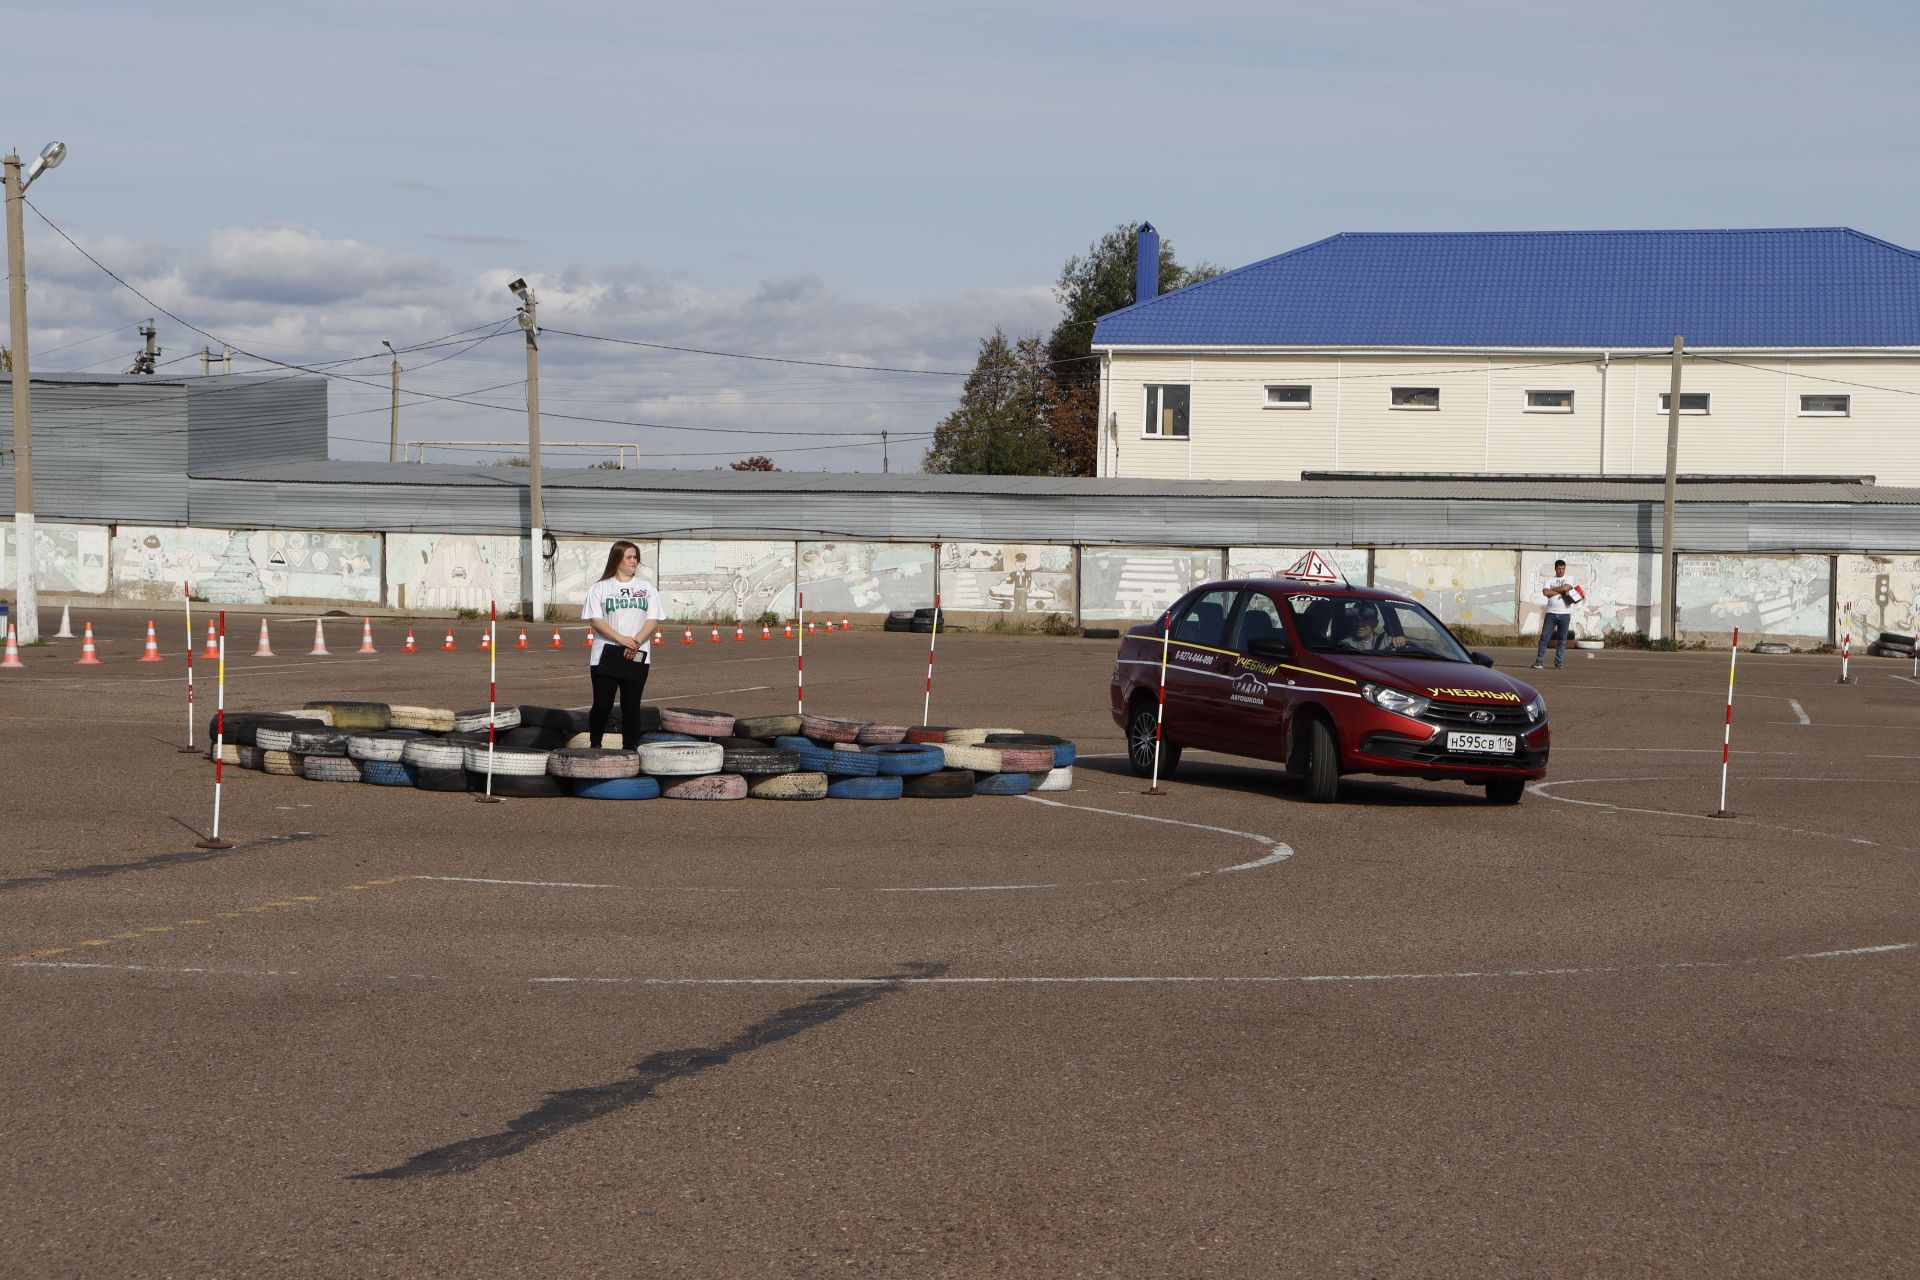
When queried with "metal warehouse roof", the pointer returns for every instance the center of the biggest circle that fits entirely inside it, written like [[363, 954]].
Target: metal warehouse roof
[[1809, 287]]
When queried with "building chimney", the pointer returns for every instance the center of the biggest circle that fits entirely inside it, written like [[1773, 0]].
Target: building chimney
[[1146, 265]]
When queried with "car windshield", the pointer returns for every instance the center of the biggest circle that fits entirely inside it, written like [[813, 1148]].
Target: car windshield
[[1390, 628]]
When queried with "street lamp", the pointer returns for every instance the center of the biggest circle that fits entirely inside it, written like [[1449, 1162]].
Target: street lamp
[[26, 596], [529, 322]]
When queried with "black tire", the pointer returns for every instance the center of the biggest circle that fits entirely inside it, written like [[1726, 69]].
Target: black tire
[[649, 720], [518, 786], [903, 615], [1100, 633], [440, 779], [901, 628], [556, 718], [1322, 763], [757, 758], [919, 615], [1506, 790], [946, 784], [922, 626], [530, 737], [1140, 731]]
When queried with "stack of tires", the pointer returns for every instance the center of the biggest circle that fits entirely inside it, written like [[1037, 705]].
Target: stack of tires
[[920, 620]]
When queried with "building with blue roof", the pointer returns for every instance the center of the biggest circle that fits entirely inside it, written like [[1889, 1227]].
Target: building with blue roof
[[1524, 352]]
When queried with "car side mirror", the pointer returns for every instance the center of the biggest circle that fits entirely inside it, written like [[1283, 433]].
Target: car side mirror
[[1480, 659], [1270, 647]]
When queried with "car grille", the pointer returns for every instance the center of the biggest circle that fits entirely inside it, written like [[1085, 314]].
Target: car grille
[[1453, 715]]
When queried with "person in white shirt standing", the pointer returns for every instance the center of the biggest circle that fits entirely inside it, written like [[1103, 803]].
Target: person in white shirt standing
[[1559, 617], [623, 611]]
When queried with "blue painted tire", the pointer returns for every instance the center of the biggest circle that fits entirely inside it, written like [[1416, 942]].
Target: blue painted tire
[[618, 789], [864, 788], [906, 760], [387, 773], [838, 764], [1002, 784]]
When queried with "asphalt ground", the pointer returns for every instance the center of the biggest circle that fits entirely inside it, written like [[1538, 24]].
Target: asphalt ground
[[1219, 1032]]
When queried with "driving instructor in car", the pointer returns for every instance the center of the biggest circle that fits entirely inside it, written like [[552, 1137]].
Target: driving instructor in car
[[1364, 634]]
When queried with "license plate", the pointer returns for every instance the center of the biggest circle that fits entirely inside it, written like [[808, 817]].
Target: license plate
[[1485, 743]]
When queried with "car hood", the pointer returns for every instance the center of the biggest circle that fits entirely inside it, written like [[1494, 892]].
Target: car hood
[[1445, 681]]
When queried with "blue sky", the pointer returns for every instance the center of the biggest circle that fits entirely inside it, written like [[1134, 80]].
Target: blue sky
[[862, 182]]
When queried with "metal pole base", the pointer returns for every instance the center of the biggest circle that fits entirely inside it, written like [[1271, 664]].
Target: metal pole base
[[1721, 813], [486, 799], [214, 844], [188, 751], [1156, 791]]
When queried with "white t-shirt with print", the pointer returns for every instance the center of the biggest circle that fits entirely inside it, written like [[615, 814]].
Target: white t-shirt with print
[[1558, 604], [625, 606]]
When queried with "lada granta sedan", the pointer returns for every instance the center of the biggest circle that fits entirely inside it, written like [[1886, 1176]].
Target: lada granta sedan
[[1327, 680]]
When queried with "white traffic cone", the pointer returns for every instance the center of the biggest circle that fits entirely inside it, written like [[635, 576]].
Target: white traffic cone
[[66, 625], [265, 650], [319, 649]]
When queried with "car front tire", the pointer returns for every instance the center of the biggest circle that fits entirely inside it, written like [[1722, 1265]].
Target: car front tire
[[1140, 733], [1506, 790], [1322, 764]]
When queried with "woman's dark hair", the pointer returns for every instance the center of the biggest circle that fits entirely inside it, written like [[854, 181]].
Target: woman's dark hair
[[615, 556]]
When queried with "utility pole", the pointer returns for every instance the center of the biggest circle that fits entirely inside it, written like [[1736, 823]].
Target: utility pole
[[1669, 613], [226, 359], [27, 596], [143, 361], [530, 323], [393, 440], [883, 453], [206, 361]]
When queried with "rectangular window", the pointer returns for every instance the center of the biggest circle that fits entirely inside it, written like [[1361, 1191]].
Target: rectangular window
[[1549, 402], [1690, 402], [1826, 406], [1289, 397], [1167, 406], [1416, 397]]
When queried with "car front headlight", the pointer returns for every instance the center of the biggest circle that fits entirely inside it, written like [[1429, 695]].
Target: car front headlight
[[1402, 704], [1537, 709]]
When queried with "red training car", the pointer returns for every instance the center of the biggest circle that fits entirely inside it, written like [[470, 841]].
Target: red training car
[[1327, 680]]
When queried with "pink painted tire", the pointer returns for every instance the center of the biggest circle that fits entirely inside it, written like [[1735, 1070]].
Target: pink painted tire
[[881, 735], [1025, 759], [709, 786], [701, 724], [830, 729]]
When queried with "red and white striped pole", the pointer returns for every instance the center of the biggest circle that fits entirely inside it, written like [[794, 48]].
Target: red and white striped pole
[[1160, 711], [1726, 741], [493, 694], [219, 736], [186, 592], [1846, 651], [933, 641], [800, 657]]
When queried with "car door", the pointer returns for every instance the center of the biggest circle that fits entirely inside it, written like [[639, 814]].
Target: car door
[[1199, 668], [1255, 701]]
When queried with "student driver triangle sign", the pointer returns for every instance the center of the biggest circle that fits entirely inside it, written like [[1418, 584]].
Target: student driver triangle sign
[[1313, 567]]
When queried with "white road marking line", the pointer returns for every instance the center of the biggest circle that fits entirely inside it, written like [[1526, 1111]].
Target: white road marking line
[[1908, 679], [526, 884], [1799, 710], [1544, 791], [1139, 980]]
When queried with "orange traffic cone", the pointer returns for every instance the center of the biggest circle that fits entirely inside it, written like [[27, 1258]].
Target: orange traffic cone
[[688, 637], [366, 636], [89, 657], [813, 628], [409, 646], [844, 624], [12, 660], [556, 640], [486, 641], [786, 632], [153, 646], [265, 650], [521, 643], [829, 626], [739, 632], [449, 646], [586, 641], [765, 632], [213, 643], [713, 636], [319, 649]]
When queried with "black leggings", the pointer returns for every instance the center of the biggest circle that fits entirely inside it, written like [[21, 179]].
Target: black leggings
[[612, 674]]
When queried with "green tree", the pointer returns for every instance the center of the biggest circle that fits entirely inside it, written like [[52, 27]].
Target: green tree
[[1000, 426], [1090, 286]]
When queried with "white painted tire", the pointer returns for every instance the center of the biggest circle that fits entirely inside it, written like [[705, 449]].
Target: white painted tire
[[589, 764], [433, 753], [476, 721], [310, 713], [507, 760], [681, 759], [1589, 644], [428, 719], [1060, 779], [973, 737], [280, 740], [978, 759], [376, 746]]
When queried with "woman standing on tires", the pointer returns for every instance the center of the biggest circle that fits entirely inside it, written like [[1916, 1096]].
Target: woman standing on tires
[[623, 611]]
